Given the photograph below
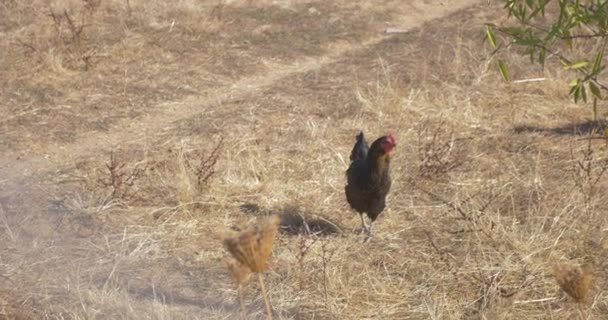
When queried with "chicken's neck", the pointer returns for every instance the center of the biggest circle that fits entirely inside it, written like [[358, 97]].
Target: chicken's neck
[[378, 166]]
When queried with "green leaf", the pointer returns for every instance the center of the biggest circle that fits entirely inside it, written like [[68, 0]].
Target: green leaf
[[595, 90], [541, 56], [491, 36], [577, 93], [574, 82], [597, 63], [594, 114], [503, 70], [578, 65]]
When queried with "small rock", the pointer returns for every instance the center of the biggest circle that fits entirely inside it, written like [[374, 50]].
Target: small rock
[[395, 30]]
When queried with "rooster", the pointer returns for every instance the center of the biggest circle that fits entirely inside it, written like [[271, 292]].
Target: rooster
[[368, 178]]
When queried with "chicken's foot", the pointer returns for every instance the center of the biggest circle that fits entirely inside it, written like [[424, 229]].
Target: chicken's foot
[[364, 227]]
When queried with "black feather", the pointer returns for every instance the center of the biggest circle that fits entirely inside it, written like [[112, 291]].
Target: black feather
[[368, 177], [360, 149]]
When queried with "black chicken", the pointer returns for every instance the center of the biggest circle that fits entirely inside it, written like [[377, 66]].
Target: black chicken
[[368, 178]]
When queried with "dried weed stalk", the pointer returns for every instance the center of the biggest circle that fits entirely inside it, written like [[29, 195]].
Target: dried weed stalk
[[251, 248], [326, 256], [241, 274], [494, 284], [576, 281], [306, 241], [203, 165], [491, 284], [120, 179], [587, 172], [435, 150], [70, 29], [472, 215]]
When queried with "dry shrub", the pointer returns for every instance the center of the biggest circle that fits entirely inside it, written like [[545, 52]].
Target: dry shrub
[[240, 272], [202, 165], [576, 281], [252, 246], [182, 176], [194, 170], [119, 178], [587, 171], [70, 24], [436, 154]]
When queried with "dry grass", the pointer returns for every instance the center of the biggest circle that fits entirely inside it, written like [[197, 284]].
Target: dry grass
[[251, 248], [494, 183], [575, 281]]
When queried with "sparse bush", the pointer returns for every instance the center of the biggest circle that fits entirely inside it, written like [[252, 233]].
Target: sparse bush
[[552, 29], [194, 170], [119, 178], [586, 172], [327, 254], [70, 26], [436, 156], [305, 242], [203, 165]]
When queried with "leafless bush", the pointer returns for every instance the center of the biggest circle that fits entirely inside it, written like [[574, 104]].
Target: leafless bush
[[435, 153], [305, 243], [70, 30], [119, 178], [202, 164], [586, 171], [326, 255]]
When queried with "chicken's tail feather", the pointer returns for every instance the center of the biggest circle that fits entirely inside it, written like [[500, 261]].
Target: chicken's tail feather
[[360, 149]]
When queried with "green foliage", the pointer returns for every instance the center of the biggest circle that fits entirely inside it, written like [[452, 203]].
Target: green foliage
[[553, 28]]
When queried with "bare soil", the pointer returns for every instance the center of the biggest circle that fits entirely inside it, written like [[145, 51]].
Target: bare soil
[[494, 183]]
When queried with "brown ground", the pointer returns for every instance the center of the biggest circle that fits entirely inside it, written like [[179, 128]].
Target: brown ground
[[494, 183]]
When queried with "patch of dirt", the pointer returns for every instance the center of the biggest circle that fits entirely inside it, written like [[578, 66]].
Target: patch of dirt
[[285, 85]]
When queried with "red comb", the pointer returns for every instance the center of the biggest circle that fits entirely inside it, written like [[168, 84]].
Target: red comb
[[391, 138]]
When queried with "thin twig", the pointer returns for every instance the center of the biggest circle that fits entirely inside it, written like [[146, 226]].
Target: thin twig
[[268, 310], [529, 80], [242, 303]]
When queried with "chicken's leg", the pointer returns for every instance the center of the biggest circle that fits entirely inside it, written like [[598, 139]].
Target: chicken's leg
[[364, 227], [369, 234]]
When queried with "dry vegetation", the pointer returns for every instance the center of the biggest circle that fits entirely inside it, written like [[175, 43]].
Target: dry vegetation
[[136, 133]]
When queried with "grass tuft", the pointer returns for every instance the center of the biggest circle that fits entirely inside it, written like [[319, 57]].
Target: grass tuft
[[576, 281], [251, 249]]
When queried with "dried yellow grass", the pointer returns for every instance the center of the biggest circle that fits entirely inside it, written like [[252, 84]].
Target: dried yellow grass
[[252, 246], [576, 281], [240, 272], [250, 249], [511, 139]]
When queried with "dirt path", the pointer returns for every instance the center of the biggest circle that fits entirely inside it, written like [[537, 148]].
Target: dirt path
[[16, 167]]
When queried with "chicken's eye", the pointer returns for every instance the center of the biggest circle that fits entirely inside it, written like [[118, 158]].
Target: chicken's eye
[[387, 145]]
